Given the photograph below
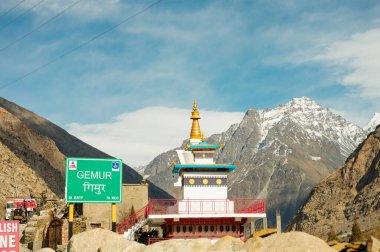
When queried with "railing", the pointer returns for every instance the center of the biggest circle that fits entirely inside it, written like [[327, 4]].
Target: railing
[[207, 206], [154, 240], [249, 205], [132, 220]]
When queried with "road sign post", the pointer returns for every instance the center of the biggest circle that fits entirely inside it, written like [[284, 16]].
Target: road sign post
[[91, 180], [71, 220], [113, 217]]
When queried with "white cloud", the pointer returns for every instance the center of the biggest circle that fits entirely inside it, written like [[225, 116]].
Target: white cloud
[[358, 62], [137, 137]]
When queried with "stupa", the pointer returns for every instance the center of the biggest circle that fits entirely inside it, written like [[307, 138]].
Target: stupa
[[202, 208]]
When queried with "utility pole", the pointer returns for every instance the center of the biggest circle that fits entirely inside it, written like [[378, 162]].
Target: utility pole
[[14, 185], [278, 221]]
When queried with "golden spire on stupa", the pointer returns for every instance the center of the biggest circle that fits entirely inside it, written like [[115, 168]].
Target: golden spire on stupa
[[195, 128]]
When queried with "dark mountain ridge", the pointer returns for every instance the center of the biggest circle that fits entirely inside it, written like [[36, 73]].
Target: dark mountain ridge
[[66, 146]]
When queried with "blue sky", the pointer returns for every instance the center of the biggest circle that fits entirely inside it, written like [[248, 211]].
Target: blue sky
[[228, 55]]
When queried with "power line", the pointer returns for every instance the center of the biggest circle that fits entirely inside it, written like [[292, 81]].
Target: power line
[[38, 27], [11, 9], [80, 45], [22, 14]]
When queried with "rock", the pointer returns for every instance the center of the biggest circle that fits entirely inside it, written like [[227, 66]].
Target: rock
[[29, 234], [332, 243], [255, 244], [227, 244], [32, 223], [359, 246], [340, 246], [295, 242], [61, 248], [23, 248], [44, 213], [196, 245], [102, 240], [373, 245], [45, 250], [133, 247]]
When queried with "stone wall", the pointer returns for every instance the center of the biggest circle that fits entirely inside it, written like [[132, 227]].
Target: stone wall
[[65, 232], [34, 232]]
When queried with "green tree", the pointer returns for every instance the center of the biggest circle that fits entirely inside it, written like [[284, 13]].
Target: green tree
[[356, 235]]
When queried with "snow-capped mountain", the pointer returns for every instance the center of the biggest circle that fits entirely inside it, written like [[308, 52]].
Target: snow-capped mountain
[[318, 122], [282, 153], [372, 124]]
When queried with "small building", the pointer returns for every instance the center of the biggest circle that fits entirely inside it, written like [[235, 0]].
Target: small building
[[98, 215]]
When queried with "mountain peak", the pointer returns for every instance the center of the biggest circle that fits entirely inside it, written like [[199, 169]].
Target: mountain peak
[[303, 102], [302, 99], [318, 122]]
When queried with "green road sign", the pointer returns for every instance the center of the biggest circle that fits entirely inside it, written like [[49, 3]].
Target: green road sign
[[93, 180]]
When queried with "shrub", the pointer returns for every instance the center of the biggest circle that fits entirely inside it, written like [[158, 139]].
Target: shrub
[[331, 236], [356, 233]]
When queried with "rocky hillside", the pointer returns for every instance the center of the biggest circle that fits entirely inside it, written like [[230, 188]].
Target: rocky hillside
[[282, 153], [33, 151], [29, 162], [353, 191]]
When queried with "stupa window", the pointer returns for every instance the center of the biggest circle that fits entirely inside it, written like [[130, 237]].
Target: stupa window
[[233, 228], [221, 228]]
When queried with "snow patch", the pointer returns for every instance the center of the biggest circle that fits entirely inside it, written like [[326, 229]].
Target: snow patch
[[372, 124]]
